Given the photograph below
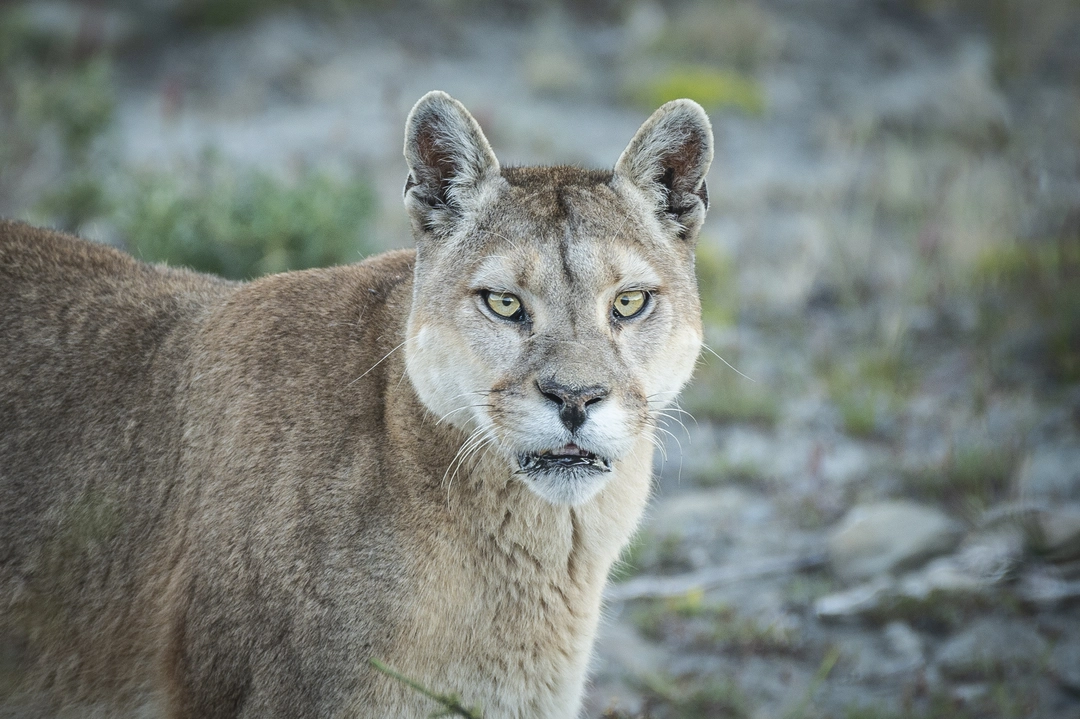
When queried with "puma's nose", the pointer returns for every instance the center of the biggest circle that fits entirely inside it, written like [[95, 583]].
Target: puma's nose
[[573, 402]]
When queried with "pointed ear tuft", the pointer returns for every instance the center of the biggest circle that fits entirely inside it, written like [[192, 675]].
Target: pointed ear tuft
[[668, 160], [448, 157]]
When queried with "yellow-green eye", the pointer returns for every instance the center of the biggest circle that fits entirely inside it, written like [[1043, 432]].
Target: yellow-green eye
[[505, 305], [628, 304]]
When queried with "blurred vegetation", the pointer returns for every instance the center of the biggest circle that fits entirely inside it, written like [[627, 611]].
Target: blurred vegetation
[[716, 89], [240, 225], [971, 478], [721, 394], [711, 626], [1025, 42], [1036, 279], [693, 697], [57, 98]]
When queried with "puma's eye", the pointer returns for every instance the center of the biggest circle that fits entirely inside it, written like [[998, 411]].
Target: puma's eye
[[505, 305], [628, 304]]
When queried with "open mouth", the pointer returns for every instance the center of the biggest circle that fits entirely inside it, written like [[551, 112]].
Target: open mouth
[[564, 458]]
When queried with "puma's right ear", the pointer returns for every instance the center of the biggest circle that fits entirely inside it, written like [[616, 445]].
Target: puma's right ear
[[668, 160], [449, 159]]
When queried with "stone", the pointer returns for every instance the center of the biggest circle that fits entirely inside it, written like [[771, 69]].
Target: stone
[[887, 537], [856, 601], [894, 654], [1045, 586], [1055, 532], [1050, 474], [1065, 663], [992, 647]]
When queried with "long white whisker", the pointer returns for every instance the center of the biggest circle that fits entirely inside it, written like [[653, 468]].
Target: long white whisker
[[467, 406], [710, 349], [376, 364], [461, 449]]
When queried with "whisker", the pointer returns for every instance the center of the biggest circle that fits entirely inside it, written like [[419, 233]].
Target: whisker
[[467, 406], [710, 349], [376, 364]]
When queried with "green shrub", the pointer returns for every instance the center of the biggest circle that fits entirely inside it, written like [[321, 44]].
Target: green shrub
[[713, 88], [243, 225]]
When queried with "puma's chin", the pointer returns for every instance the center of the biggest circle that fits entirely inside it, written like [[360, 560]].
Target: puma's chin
[[564, 475]]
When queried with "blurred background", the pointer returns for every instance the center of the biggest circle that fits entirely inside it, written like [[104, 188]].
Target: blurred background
[[877, 516]]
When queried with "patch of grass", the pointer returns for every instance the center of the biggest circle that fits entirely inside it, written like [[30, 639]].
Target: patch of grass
[[725, 471], [712, 627], [970, 479], [694, 698], [718, 393], [1003, 700], [1036, 282], [662, 555], [240, 225], [941, 612], [866, 386], [717, 285], [731, 33], [713, 88], [52, 97]]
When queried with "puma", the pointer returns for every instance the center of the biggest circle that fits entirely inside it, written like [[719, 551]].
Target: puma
[[224, 499]]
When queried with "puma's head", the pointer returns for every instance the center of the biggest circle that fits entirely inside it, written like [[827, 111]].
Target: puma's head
[[555, 310]]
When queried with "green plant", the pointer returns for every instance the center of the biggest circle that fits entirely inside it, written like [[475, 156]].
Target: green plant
[[52, 95], [971, 478], [738, 34], [695, 697], [720, 393], [867, 384], [240, 225], [713, 88], [717, 285], [1036, 280], [451, 704]]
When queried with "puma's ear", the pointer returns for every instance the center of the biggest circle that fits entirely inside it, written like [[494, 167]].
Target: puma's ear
[[668, 160], [449, 159]]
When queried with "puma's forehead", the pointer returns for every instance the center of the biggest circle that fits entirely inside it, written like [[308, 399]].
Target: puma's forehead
[[570, 262]]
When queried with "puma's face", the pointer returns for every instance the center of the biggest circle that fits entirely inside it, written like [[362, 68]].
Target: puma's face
[[555, 311]]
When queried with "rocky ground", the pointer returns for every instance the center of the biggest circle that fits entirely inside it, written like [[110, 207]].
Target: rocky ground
[[876, 515]]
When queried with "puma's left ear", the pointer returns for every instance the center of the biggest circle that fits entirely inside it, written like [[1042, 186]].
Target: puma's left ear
[[449, 160], [668, 160]]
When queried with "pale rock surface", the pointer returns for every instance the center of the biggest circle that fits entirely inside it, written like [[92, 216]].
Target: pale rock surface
[[885, 537], [1051, 473], [992, 647]]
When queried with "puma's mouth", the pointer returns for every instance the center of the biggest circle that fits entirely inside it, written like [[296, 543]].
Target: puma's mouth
[[567, 457]]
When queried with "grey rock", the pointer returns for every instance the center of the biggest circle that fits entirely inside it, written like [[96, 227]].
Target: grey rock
[[897, 652], [1051, 473], [969, 694], [992, 647], [964, 574], [1065, 663], [1055, 532], [885, 537], [856, 601], [1046, 586]]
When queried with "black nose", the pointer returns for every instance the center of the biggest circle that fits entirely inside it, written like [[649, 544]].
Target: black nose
[[573, 402]]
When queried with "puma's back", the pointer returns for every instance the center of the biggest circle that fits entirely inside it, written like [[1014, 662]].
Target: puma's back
[[93, 361]]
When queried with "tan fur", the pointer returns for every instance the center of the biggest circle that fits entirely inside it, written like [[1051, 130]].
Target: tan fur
[[222, 499]]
